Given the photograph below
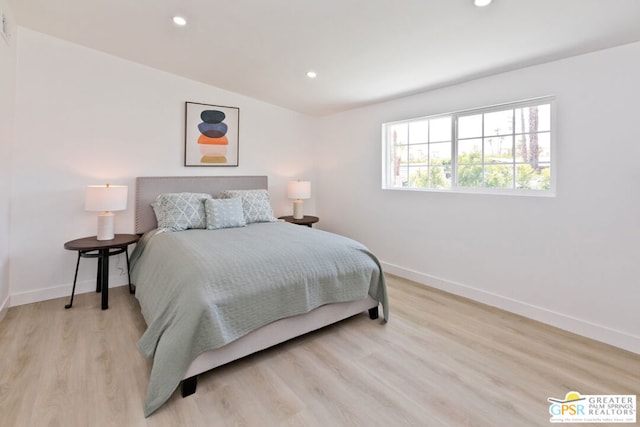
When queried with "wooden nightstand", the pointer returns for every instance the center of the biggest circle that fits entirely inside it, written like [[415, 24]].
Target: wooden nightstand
[[91, 247], [307, 220]]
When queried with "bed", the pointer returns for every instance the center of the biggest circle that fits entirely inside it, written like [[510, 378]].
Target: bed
[[213, 296]]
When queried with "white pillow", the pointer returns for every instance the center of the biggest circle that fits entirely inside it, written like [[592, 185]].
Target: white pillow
[[255, 204], [180, 211], [224, 213]]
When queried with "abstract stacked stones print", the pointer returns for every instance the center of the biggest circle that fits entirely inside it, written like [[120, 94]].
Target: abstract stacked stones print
[[213, 141]]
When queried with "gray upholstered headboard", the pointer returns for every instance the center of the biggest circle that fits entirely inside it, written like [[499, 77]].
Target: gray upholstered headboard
[[148, 188]]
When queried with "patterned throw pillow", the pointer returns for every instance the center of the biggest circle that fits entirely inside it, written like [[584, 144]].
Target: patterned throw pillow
[[224, 213], [255, 204], [180, 211]]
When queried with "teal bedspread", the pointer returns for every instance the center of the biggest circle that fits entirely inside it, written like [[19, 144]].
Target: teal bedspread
[[202, 289]]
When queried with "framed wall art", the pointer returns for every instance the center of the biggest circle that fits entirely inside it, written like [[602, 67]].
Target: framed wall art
[[211, 135]]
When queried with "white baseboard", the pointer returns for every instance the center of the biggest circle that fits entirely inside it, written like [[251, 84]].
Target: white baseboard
[[4, 307], [577, 326], [44, 294]]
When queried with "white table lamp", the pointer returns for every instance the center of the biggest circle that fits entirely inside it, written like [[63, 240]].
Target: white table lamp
[[298, 190], [105, 199]]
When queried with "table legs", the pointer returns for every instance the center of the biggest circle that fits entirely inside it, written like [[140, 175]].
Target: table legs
[[102, 279], [75, 278], [99, 276], [103, 262], [126, 252]]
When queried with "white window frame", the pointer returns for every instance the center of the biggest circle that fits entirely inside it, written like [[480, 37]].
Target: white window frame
[[551, 192]]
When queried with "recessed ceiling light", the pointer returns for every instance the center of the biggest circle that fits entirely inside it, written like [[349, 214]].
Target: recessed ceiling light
[[179, 20], [482, 3], [312, 74]]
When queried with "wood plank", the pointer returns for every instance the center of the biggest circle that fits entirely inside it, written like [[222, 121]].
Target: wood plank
[[441, 360]]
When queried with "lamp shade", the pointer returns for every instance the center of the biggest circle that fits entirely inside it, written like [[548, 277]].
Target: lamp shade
[[299, 190], [105, 198]]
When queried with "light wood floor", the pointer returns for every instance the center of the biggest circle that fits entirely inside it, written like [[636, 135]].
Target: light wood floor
[[440, 361]]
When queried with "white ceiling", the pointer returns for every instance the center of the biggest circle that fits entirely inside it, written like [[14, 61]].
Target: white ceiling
[[364, 51]]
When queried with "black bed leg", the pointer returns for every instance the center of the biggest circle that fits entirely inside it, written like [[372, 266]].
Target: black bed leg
[[189, 386], [373, 313]]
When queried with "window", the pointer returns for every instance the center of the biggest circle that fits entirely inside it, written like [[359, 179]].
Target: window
[[501, 149]]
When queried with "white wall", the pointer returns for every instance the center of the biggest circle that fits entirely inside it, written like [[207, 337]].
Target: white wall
[[572, 261], [7, 103], [85, 117]]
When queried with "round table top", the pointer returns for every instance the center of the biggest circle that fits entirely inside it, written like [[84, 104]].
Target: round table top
[[92, 243], [305, 220]]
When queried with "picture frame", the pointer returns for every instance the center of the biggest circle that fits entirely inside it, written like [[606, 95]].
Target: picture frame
[[211, 135]]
